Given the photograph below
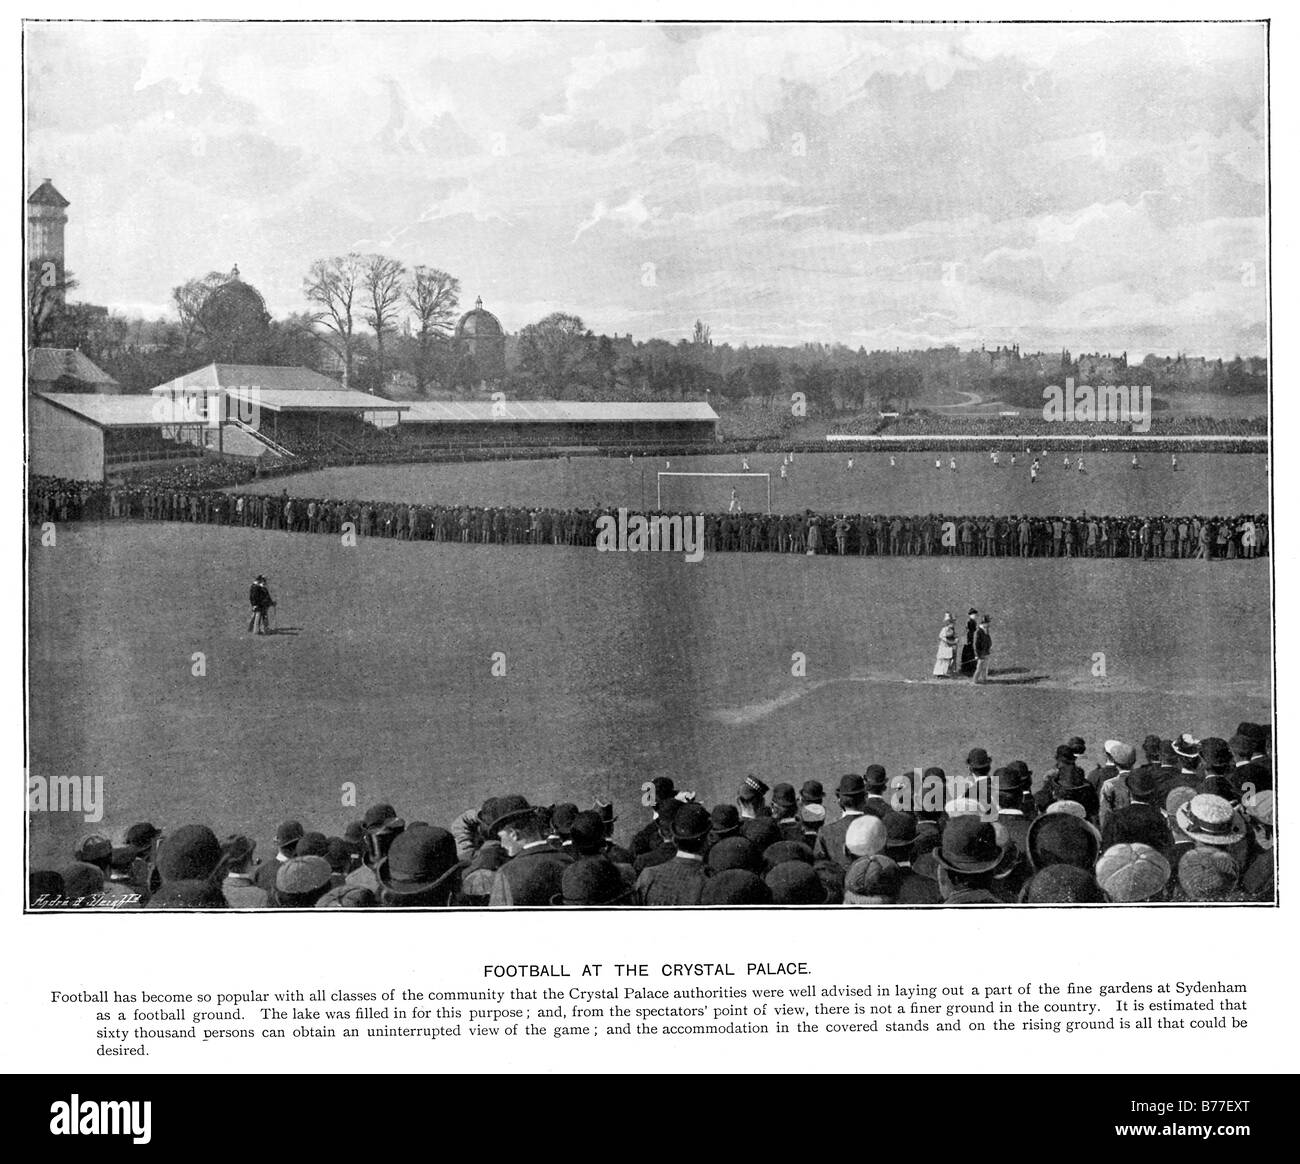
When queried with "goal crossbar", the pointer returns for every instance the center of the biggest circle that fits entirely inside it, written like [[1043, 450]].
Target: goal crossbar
[[662, 473]]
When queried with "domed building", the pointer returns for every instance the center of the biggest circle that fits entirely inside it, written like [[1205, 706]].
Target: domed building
[[234, 317], [481, 343]]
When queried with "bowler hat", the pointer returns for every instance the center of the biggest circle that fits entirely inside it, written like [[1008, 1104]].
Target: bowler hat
[[1168, 757], [1015, 777], [377, 814], [664, 788], [592, 881], [142, 834], [794, 883], [900, 830], [734, 853], [1139, 822], [969, 845], [783, 797], [812, 792], [508, 809], [874, 778], [191, 853], [312, 845], [1142, 784], [725, 819], [418, 861], [124, 856], [1151, 748], [690, 823], [1215, 752], [94, 849], [1211, 820], [1221, 786], [978, 760], [45, 882], [1061, 838], [1254, 732], [587, 833], [736, 887], [562, 819], [288, 834], [237, 849], [851, 785], [1076, 745]]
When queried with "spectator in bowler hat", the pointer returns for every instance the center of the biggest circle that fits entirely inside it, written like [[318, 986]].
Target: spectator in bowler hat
[[533, 874], [680, 881], [852, 796]]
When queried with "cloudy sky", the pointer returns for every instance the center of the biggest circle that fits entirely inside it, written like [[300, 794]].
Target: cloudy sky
[[1094, 187]]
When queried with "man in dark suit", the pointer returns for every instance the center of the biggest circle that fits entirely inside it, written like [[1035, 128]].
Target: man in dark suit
[[852, 795], [785, 811], [877, 802], [681, 880], [647, 837], [536, 867], [1250, 766], [260, 600]]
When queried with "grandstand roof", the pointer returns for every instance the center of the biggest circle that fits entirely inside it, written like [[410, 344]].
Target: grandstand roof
[[268, 377], [108, 411], [553, 411], [45, 365], [306, 400]]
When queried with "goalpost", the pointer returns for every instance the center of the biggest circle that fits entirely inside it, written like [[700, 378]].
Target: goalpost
[[659, 482]]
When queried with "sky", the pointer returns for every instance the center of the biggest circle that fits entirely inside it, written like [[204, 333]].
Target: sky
[[1091, 187]]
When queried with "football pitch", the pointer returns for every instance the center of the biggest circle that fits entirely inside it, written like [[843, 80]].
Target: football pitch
[[1203, 483], [617, 668]]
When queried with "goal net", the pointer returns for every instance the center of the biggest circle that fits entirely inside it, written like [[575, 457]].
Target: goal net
[[684, 492]]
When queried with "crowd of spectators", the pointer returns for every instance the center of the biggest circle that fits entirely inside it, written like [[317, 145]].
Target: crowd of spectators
[[1193, 822], [1028, 425], [1147, 536]]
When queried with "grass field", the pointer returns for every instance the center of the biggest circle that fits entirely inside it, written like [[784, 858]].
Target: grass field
[[619, 668], [1205, 483]]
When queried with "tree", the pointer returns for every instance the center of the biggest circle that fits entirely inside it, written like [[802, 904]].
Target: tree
[[703, 335], [736, 385], [47, 290], [553, 351], [189, 299], [433, 296], [383, 280], [335, 285]]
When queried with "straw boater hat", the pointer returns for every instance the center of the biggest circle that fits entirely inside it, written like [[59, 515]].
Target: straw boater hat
[[1211, 820]]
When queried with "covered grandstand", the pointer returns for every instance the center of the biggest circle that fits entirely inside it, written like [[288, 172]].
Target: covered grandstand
[[496, 423], [90, 437]]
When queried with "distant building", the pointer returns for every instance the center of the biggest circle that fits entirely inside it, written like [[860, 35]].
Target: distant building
[[66, 370], [46, 218], [481, 341]]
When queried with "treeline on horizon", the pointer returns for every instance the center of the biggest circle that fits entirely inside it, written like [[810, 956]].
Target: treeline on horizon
[[389, 330]]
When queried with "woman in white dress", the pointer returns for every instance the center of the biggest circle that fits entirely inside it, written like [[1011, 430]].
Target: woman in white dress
[[943, 661]]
